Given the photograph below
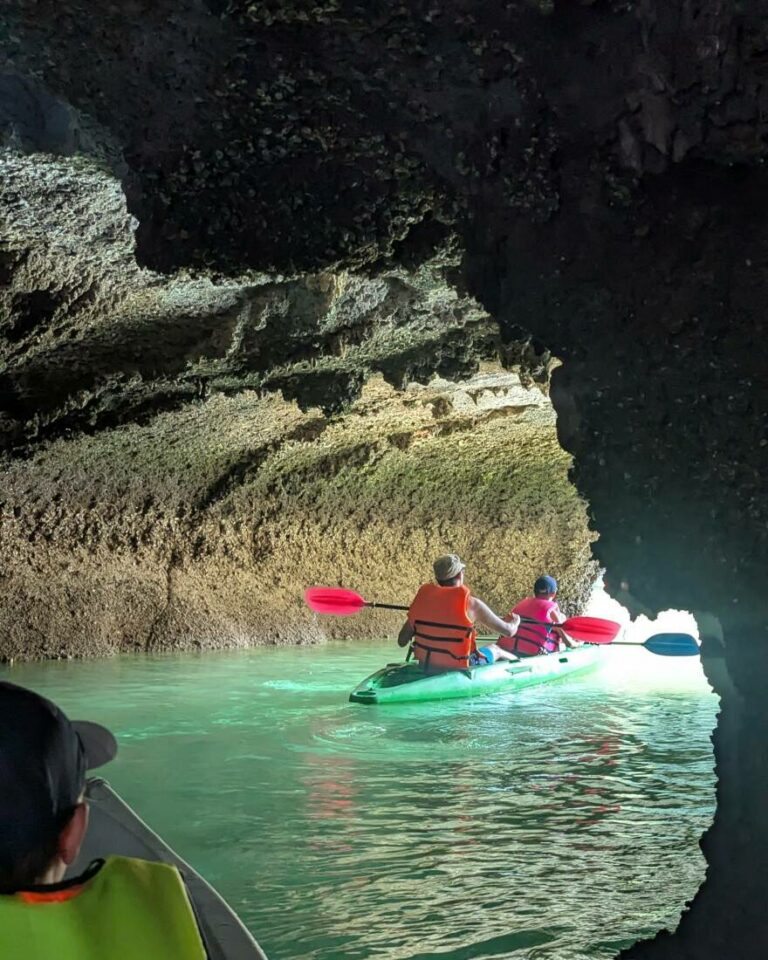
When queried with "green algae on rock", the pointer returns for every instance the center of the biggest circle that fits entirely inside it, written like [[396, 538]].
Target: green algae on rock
[[202, 527]]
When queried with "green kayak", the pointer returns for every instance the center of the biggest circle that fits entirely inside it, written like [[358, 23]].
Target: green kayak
[[407, 682]]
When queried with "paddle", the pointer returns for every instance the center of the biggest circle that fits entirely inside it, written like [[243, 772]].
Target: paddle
[[668, 645], [343, 603], [663, 644]]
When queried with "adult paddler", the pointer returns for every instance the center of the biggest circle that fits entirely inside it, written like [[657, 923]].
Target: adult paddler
[[441, 622]]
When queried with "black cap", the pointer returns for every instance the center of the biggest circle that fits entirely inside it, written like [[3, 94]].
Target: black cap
[[43, 761]]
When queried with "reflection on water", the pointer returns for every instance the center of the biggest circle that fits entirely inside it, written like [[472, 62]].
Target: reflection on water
[[561, 822]]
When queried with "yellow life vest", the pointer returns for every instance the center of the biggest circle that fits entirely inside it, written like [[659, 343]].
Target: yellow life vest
[[130, 910]]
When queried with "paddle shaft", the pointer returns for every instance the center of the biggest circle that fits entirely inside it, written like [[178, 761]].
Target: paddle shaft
[[661, 644], [397, 606], [613, 643], [386, 606], [339, 601]]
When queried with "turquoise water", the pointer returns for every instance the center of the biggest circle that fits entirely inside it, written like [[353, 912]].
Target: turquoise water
[[559, 823]]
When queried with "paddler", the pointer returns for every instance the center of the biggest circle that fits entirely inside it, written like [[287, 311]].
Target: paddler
[[441, 622], [121, 908], [533, 639]]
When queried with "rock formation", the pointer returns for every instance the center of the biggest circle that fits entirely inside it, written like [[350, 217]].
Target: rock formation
[[330, 194]]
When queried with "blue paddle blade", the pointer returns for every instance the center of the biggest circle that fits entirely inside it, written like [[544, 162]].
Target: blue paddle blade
[[672, 645]]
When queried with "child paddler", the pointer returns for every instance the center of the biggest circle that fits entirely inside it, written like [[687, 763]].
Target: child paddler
[[441, 622], [533, 639]]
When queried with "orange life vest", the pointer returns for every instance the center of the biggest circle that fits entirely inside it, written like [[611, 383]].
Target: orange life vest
[[444, 636]]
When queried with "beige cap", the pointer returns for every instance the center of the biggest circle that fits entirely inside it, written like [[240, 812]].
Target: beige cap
[[448, 567]]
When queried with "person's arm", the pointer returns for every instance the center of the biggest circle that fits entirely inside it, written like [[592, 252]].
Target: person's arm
[[406, 634], [556, 615], [482, 612]]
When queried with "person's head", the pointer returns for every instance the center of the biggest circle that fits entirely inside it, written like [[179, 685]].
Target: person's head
[[449, 570], [43, 762], [545, 587]]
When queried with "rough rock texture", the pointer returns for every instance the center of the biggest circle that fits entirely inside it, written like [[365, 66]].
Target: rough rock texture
[[201, 528], [592, 173], [91, 340]]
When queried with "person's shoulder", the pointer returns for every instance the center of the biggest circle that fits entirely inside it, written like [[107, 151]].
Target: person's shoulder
[[423, 588], [477, 603], [137, 869]]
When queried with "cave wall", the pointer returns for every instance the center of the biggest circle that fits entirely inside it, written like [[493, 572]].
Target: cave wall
[[596, 168], [202, 528]]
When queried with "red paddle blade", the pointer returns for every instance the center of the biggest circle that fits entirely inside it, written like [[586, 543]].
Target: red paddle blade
[[333, 600], [591, 629]]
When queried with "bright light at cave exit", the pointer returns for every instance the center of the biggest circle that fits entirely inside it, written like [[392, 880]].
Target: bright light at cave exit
[[636, 631]]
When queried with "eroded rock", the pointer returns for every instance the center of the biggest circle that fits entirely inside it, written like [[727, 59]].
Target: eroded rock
[[202, 527]]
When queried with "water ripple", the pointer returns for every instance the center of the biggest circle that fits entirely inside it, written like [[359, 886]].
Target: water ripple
[[560, 823]]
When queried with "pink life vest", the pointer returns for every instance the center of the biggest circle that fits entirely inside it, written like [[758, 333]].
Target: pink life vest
[[532, 638]]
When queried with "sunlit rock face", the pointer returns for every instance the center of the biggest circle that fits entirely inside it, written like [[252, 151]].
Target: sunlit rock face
[[590, 174], [202, 527]]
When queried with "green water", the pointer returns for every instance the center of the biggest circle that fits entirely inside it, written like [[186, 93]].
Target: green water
[[560, 823]]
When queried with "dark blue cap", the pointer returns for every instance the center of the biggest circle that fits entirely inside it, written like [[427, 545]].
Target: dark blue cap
[[545, 584]]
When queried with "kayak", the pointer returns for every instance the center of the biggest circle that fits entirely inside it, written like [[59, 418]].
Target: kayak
[[114, 828], [408, 683]]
